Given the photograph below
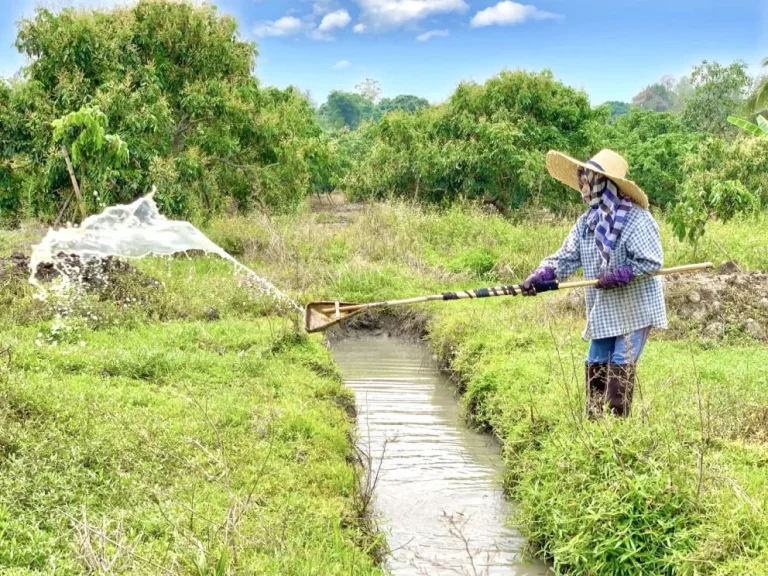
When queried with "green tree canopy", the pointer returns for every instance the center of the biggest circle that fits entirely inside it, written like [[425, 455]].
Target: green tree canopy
[[488, 141], [351, 109], [345, 110], [719, 91], [617, 110], [175, 82], [656, 146], [403, 103]]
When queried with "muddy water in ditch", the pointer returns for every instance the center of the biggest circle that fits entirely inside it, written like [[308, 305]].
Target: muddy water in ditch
[[439, 489]]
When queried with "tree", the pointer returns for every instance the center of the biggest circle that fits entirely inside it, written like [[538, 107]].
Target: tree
[[744, 160], [369, 89], [85, 144], [719, 91], [667, 95], [8, 122], [657, 97], [684, 91], [404, 103], [617, 110], [702, 201], [488, 142], [656, 146], [350, 110], [176, 82], [724, 178], [345, 110]]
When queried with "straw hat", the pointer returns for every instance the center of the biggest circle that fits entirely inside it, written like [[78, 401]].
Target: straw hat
[[606, 162]]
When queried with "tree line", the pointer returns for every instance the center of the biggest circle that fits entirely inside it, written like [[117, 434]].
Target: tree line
[[165, 94], [689, 144]]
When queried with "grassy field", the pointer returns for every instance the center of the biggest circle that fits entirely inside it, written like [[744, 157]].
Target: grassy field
[[680, 488], [176, 430], [197, 430]]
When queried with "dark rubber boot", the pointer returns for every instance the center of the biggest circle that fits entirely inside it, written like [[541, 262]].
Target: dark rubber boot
[[597, 377], [621, 386]]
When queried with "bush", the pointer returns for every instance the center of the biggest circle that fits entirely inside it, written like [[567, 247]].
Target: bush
[[487, 141], [656, 146]]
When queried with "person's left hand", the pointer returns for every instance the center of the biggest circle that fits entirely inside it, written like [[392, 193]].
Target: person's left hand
[[616, 278]]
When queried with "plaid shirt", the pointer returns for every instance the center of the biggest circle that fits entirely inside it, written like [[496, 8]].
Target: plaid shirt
[[620, 311]]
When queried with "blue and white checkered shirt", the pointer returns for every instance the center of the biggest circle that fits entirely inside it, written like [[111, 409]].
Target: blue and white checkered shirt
[[620, 311]]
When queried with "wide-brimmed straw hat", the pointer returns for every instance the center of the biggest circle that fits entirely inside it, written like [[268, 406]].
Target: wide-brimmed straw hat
[[606, 162]]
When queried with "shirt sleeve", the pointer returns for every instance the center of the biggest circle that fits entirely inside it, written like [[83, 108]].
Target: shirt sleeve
[[568, 259], [644, 251]]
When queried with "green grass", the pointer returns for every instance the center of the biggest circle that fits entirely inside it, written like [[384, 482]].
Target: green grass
[[138, 435], [164, 426], [396, 250], [677, 489]]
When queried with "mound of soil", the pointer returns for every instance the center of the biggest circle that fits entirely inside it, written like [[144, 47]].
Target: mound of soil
[[715, 305], [95, 274]]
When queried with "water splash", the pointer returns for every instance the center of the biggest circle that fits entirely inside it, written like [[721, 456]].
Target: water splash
[[135, 231]]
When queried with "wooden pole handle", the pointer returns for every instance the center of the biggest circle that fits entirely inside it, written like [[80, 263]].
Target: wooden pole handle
[[501, 291], [663, 272]]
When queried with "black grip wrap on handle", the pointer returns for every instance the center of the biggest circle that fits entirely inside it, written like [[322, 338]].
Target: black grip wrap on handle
[[500, 291], [546, 286]]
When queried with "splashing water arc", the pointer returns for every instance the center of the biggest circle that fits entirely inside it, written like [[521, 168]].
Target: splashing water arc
[[135, 231]]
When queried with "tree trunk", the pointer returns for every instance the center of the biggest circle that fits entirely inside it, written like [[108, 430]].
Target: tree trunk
[[71, 171], [180, 136]]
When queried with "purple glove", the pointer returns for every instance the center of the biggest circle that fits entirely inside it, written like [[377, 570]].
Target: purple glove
[[528, 287], [617, 278]]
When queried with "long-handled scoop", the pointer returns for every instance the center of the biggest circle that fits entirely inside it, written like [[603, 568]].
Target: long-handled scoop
[[319, 316]]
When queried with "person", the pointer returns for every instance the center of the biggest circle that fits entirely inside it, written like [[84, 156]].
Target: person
[[617, 242]]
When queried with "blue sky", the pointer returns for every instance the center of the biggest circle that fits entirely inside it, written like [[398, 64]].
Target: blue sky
[[611, 49]]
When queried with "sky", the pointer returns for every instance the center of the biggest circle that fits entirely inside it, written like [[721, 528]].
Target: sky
[[611, 49]]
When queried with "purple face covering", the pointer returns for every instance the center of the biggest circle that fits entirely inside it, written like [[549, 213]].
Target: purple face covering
[[617, 278], [607, 213]]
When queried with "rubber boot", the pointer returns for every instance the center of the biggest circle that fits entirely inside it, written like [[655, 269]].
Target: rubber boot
[[597, 376], [621, 386]]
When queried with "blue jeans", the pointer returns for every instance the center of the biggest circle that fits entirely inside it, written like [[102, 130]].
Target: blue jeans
[[621, 350]]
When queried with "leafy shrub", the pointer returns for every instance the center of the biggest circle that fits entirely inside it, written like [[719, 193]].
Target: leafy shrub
[[487, 141], [656, 146], [700, 201]]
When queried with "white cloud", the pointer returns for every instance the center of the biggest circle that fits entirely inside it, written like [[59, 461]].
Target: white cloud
[[394, 13], [285, 26], [359, 28], [342, 65], [335, 21], [321, 7], [507, 13], [432, 34]]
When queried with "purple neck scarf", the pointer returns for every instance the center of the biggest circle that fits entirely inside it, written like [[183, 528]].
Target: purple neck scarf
[[607, 214]]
